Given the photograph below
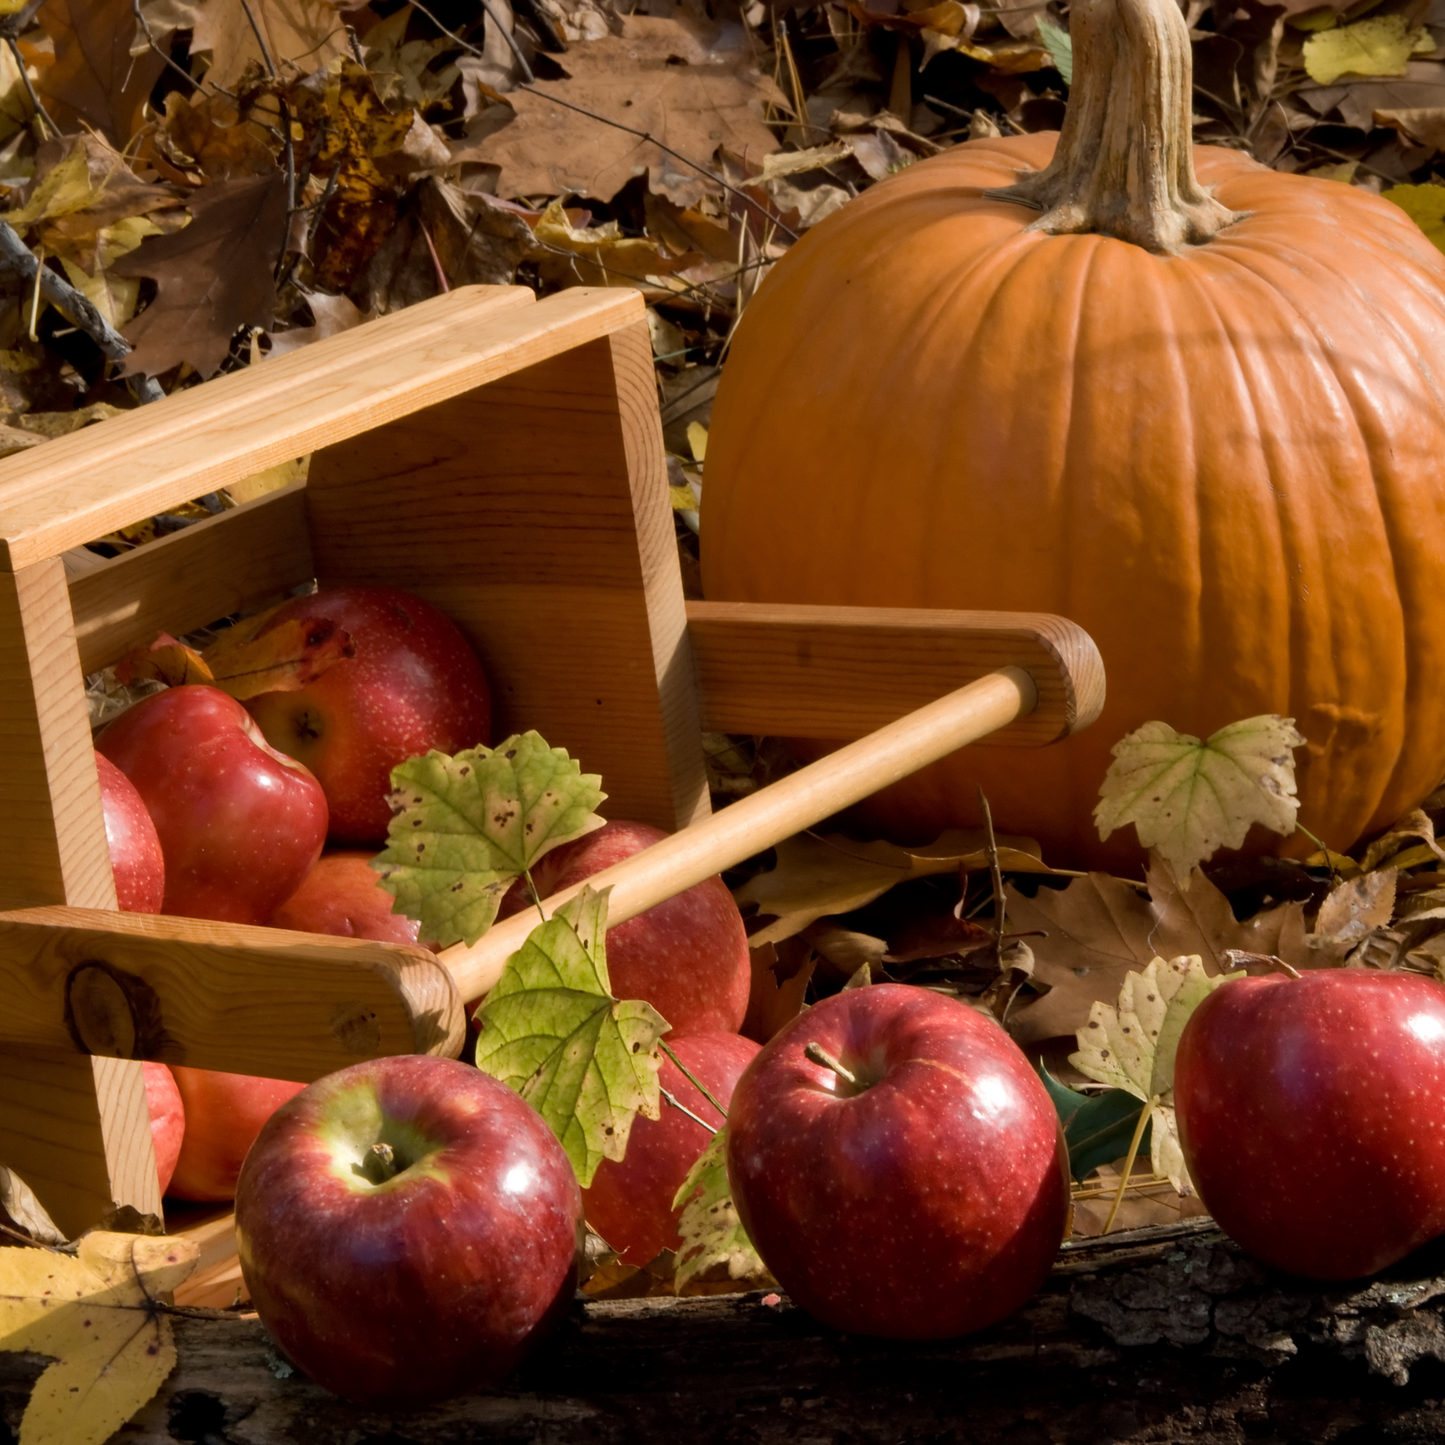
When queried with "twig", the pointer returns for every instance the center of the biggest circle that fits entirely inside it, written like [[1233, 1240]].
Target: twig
[[683, 1109], [41, 113], [651, 139], [256, 31], [35, 295], [435, 259], [692, 1079], [995, 873], [76, 308], [319, 209], [144, 27]]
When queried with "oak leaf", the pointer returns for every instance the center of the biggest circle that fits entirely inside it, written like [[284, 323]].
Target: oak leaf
[[212, 278], [96, 1313]]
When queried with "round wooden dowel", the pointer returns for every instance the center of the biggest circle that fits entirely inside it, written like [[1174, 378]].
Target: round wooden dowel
[[768, 816]]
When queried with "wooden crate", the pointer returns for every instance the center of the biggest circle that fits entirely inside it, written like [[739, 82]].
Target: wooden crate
[[498, 456]]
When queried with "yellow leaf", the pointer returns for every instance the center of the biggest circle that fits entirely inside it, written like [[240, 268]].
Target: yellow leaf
[[596, 255], [1380, 45], [1425, 205], [115, 297], [273, 479], [66, 187], [697, 440], [95, 1314]]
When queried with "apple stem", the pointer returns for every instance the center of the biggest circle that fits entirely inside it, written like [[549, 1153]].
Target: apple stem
[[817, 1054], [1289, 968], [692, 1079], [379, 1164], [683, 1109]]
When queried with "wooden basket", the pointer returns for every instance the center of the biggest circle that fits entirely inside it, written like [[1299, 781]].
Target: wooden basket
[[502, 458]]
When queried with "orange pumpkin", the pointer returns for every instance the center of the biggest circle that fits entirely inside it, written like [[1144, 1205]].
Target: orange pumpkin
[[1206, 422]]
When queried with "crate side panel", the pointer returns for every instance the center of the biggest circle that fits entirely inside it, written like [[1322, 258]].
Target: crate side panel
[[83, 486], [192, 578], [75, 1129], [512, 509]]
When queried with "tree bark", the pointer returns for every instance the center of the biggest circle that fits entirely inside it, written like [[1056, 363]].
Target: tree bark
[[1162, 1335]]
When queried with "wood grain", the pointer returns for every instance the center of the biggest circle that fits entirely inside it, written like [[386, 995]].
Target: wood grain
[[534, 513], [218, 996], [191, 578], [841, 672], [80, 487], [768, 816], [77, 1130]]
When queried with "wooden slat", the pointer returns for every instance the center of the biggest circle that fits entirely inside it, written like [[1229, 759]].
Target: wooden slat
[[75, 1129], [534, 513], [82, 486], [842, 672], [218, 996], [192, 577]]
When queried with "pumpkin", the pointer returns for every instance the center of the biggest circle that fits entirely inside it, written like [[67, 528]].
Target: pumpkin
[[1195, 405]]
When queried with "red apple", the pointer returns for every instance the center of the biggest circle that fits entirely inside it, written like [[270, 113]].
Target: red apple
[[629, 1202], [413, 684], [342, 895], [224, 1113], [688, 957], [239, 824], [1312, 1115], [168, 1119], [403, 1282], [135, 847], [924, 1199]]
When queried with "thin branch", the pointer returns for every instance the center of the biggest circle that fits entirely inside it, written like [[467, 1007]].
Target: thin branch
[[683, 1109], [144, 27], [76, 308], [995, 873], [435, 259], [692, 1079], [40, 111], [256, 31]]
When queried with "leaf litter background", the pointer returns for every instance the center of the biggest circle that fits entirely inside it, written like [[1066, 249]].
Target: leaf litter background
[[227, 180]]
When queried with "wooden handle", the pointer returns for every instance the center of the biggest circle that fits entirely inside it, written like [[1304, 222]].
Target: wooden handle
[[776, 812]]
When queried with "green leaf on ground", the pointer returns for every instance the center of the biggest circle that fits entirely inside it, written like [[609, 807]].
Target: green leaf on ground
[[1060, 45], [551, 1030], [1097, 1127], [712, 1234], [1189, 798], [467, 826]]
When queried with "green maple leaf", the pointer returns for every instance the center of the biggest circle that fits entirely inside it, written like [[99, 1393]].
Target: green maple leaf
[[552, 1030], [712, 1233], [467, 826], [1189, 798]]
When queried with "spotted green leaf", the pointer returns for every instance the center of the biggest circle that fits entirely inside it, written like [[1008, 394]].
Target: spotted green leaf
[[551, 1030], [711, 1231], [466, 826]]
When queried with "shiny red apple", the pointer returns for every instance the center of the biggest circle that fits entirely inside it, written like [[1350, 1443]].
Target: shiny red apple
[[130, 835], [1312, 1115], [239, 824], [629, 1202], [407, 1229], [168, 1119], [342, 895], [224, 1114], [413, 684], [923, 1196], [688, 957]]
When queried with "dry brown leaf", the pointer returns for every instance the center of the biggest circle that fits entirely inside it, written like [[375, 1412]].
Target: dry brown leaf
[[691, 84], [1425, 125], [331, 315], [819, 877], [20, 1209], [164, 660], [1351, 911], [781, 973], [212, 278], [1099, 929], [204, 135], [1414, 827], [95, 80], [302, 34], [257, 655]]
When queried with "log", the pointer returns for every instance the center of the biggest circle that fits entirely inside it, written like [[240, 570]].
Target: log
[[1164, 1334]]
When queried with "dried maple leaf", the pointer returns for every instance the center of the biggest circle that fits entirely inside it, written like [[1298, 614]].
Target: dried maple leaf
[[95, 1313], [95, 80], [303, 34], [689, 83], [204, 138], [1098, 929], [164, 660], [212, 278]]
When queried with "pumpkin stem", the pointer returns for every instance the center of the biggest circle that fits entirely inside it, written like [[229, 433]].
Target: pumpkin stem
[[1124, 165]]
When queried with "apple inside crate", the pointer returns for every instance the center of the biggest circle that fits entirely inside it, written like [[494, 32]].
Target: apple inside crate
[[501, 458]]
